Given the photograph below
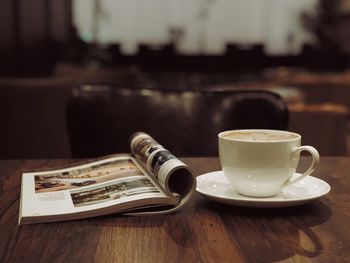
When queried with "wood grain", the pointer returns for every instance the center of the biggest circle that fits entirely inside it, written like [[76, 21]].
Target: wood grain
[[204, 231]]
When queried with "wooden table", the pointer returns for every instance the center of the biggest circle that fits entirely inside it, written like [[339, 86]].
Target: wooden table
[[203, 231]]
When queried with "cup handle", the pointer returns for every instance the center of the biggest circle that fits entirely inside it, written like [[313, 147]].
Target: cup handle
[[315, 160]]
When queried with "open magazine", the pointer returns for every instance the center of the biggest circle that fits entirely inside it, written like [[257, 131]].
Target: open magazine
[[150, 180]]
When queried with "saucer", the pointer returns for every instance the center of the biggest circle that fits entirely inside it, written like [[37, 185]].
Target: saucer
[[215, 186]]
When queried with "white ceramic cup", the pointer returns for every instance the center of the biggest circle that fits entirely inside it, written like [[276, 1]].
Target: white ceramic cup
[[259, 163]]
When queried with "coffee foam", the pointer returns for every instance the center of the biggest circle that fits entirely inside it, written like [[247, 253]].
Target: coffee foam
[[261, 136]]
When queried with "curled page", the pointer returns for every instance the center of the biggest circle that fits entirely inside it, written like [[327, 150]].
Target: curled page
[[171, 173]]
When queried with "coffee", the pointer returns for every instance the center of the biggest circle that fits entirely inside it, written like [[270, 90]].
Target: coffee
[[260, 163], [260, 136]]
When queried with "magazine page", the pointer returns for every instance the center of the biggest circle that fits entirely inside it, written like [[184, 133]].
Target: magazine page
[[171, 173], [118, 183]]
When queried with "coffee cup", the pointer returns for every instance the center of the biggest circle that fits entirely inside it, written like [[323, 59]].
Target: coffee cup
[[259, 163]]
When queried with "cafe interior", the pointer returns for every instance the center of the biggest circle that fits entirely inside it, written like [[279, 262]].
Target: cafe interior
[[78, 78], [65, 65]]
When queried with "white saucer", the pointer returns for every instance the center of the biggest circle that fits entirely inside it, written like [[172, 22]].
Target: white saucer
[[215, 186]]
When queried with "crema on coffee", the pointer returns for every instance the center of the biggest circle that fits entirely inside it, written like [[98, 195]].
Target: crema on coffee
[[262, 136]]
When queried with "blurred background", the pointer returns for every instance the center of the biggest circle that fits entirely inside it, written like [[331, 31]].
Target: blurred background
[[297, 48]]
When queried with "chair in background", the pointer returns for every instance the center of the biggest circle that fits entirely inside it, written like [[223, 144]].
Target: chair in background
[[100, 119]]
